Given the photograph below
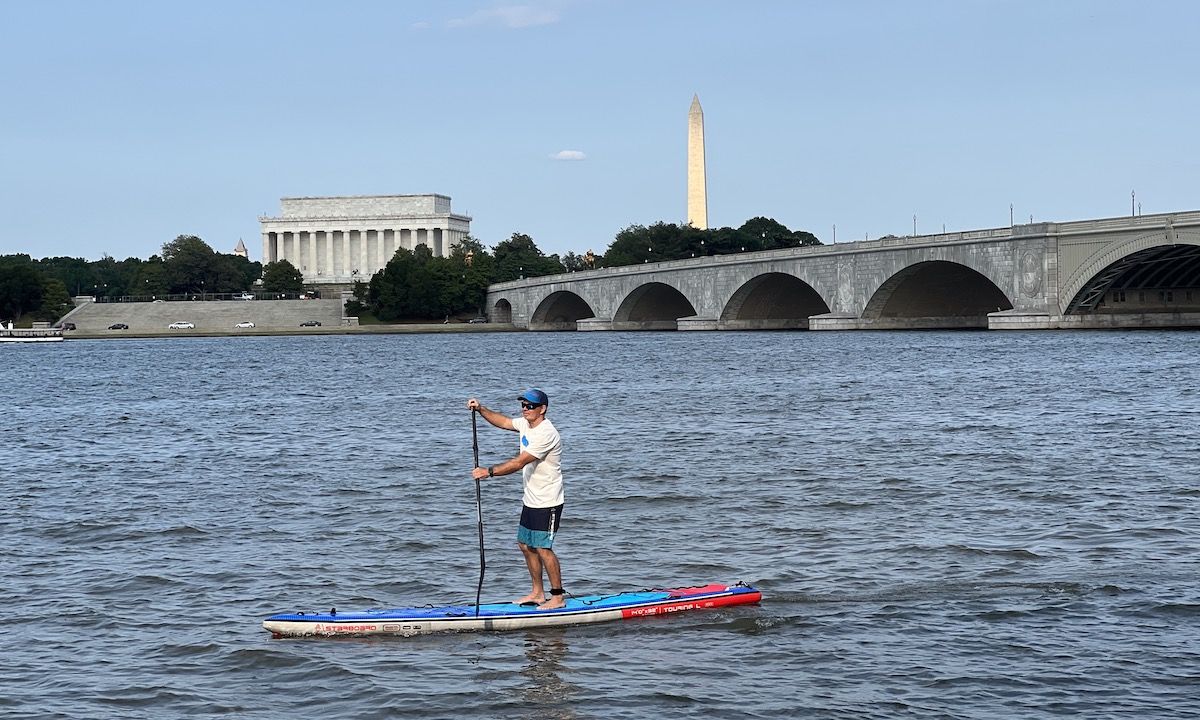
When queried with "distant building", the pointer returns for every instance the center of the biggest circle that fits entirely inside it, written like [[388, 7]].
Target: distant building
[[240, 250], [344, 239]]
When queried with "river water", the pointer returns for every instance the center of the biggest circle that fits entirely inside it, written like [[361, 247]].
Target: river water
[[962, 525]]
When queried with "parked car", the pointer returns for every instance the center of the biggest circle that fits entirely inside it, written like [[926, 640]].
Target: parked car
[[181, 326], [311, 323], [244, 324], [476, 321], [118, 326], [244, 296], [68, 326]]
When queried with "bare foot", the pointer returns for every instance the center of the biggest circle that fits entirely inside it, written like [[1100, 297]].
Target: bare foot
[[533, 597], [555, 602]]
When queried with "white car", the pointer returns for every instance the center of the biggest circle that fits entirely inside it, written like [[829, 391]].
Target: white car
[[244, 324], [244, 296], [181, 326]]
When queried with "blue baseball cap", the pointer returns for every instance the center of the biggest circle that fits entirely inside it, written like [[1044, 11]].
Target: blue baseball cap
[[535, 396]]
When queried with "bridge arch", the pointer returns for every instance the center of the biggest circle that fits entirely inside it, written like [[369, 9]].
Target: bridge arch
[[1154, 273], [502, 311], [560, 310], [772, 301], [935, 294], [653, 306]]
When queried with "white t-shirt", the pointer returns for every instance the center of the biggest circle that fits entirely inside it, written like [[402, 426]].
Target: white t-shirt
[[543, 478]]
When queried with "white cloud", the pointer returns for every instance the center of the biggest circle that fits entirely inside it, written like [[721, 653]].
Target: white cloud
[[512, 17], [569, 155], [422, 25]]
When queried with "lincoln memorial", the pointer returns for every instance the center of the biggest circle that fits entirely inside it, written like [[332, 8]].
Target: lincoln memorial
[[343, 239]]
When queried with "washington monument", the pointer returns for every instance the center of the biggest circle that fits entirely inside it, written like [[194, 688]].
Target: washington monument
[[697, 194]]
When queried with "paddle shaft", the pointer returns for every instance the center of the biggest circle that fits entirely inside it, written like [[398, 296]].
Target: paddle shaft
[[479, 510]]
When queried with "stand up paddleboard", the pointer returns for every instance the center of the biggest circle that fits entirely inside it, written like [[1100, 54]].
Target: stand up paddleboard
[[507, 616]]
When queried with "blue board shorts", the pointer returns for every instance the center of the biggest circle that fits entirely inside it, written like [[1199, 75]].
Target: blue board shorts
[[538, 526]]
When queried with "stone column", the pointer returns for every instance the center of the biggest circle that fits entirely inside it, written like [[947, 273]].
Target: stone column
[[362, 252], [346, 253], [312, 253], [328, 252], [266, 255]]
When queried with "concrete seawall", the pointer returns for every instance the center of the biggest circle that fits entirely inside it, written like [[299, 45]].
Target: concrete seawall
[[212, 315], [402, 329]]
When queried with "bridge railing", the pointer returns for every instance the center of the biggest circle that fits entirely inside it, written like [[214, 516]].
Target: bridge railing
[[764, 255]]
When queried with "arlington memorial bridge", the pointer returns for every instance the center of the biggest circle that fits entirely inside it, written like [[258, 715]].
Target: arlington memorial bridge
[[1137, 271]]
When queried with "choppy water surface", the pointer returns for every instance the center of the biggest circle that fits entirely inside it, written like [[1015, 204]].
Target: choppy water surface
[[975, 525]]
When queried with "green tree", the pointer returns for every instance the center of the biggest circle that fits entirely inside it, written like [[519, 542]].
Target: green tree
[[772, 235], [56, 301], [251, 271], [21, 288], [282, 277], [415, 285], [189, 265], [474, 266], [638, 244], [572, 262], [229, 274], [151, 279], [519, 257], [357, 306], [77, 274]]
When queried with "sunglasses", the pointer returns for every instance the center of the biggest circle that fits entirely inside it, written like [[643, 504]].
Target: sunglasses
[[529, 406]]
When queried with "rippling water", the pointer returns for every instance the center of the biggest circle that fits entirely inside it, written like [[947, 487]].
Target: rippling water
[[963, 525]]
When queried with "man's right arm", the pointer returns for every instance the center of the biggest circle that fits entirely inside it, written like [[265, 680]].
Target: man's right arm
[[499, 420]]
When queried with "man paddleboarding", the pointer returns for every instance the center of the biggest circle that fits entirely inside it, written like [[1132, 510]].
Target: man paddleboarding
[[540, 461]]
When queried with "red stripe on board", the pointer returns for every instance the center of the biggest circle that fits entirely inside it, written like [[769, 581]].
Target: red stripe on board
[[700, 604]]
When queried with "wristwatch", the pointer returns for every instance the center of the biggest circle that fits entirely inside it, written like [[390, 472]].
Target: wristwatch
[[491, 471]]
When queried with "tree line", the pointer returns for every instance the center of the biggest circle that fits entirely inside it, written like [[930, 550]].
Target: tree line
[[417, 285], [413, 285], [42, 289]]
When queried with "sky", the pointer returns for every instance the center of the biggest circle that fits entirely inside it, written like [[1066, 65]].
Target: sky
[[124, 123]]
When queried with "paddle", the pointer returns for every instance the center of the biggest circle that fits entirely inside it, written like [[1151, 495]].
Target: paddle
[[479, 510]]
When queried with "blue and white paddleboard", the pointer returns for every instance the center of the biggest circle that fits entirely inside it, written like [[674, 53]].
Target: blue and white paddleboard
[[507, 616]]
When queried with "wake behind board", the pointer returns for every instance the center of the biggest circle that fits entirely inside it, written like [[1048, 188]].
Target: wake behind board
[[507, 616]]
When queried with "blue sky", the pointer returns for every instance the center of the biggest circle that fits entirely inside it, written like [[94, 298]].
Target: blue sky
[[124, 124]]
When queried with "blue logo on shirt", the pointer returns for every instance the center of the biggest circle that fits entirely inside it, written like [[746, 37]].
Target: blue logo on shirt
[[524, 441]]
